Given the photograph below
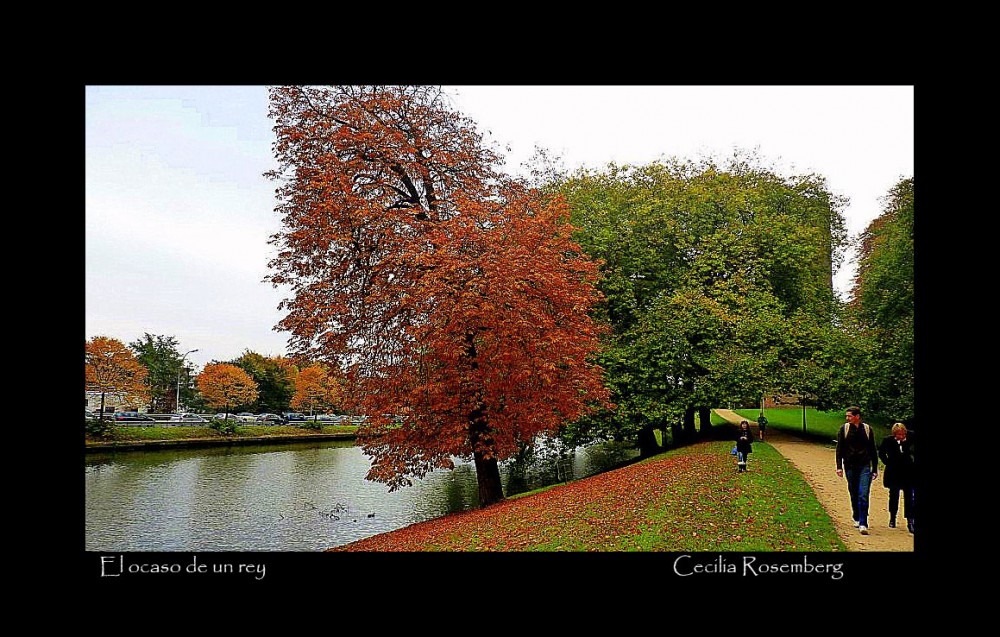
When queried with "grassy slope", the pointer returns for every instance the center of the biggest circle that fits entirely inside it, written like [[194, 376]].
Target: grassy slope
[[688, 499]]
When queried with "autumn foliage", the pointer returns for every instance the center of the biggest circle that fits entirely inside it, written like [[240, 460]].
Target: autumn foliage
[[689, 499], [315, 390], [225, 386], [111, 368], [451, 296]]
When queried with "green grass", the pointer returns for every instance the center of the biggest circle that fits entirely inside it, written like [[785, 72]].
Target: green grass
[[687, 499], [161, 433], [819, 424], [534, 491], [242, 431], [770, 507], [291, 430]]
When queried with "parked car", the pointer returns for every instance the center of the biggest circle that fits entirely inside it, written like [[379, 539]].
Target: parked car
[[270, 419], [187, 418], [224, 417], [131, 416], [246, 416], [89, 414], [328, 418], [291, 416]]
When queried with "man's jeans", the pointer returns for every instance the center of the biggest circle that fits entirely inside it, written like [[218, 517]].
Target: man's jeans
[[859, 483]]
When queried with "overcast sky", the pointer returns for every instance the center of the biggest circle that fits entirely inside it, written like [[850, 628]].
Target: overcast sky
[[178, 212]]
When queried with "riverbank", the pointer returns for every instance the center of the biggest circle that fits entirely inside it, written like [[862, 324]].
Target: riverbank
[[151, 438], [300, 496], [211, 442], [687, 499]]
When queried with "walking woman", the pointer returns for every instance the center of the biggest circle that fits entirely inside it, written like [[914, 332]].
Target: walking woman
[[896, 452], [744, 445]]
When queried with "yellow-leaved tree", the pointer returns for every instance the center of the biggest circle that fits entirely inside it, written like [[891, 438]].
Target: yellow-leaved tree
[[225, 386], [315, 391], [111, 368]]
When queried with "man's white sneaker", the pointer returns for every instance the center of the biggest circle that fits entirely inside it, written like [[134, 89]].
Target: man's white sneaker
[[864, 529], [856, 524]]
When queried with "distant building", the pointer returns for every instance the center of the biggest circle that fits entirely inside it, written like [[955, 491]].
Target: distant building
[[772, 401], [112, 402]]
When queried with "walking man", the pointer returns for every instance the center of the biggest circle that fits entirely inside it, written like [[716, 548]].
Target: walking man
[[858, 458], [761, 425]]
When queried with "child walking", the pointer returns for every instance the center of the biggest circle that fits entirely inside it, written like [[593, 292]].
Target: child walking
[[744, 446]]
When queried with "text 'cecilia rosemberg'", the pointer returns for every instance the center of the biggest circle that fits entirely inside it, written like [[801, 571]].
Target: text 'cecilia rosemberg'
[[685, 566], [116, 566]]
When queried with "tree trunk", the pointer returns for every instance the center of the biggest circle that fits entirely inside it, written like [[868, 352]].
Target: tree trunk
[[663, 435], [488, 475], [102, 405], [487, 468], [705, 416], [647, 442], [676, 433], [689, 429]]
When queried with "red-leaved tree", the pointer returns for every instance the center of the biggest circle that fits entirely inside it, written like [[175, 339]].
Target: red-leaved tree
[[452, 296]]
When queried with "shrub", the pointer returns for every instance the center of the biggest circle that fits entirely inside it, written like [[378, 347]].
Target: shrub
[[98, 428], [315, 425], [224, 427]]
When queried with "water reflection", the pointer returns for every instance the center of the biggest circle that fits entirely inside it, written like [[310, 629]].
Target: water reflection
[[296, 497]]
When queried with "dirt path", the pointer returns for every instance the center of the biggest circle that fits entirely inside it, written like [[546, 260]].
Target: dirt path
[[818, 464]]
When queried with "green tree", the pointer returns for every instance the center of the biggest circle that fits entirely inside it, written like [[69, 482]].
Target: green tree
[[274, 378], [882, 303], [159, 354], [820, 363], [706, 268]]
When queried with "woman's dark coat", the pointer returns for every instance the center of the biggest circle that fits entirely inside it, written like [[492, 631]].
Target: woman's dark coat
[[899, 470], [744, 438]]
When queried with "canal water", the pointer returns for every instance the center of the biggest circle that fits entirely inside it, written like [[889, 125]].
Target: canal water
[[295, 497]]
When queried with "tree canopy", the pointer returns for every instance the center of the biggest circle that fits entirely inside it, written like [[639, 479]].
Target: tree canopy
[[710, 273], [110, 368], [274, 377], [159, 354], [315, 390], [452, 297], [225, 386], [882, 301]]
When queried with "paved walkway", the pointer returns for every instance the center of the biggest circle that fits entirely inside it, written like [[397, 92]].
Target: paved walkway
[[818, 464]]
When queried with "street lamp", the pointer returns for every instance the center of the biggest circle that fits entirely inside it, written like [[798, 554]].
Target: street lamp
[[177, 405]]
